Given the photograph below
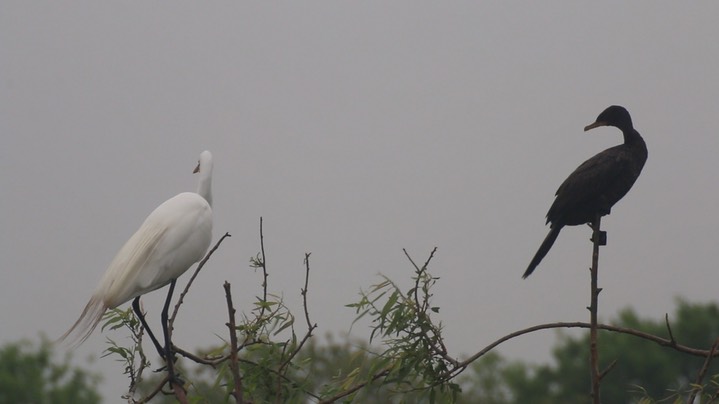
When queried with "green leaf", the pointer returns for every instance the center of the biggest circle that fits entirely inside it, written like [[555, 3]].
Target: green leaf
[[390, 304]]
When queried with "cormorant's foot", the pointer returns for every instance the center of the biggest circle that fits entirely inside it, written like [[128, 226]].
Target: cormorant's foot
[[602, 237]]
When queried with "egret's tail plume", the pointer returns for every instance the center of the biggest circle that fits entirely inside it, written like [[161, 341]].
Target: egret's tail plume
[[543, 250], [85, 325]]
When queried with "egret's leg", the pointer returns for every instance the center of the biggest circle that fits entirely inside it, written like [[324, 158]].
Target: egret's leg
[[169, 352], [141, 316], [165, 318]]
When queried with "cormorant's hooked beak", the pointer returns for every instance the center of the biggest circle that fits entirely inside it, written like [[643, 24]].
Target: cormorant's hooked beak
[[595, 125], [197, 169]]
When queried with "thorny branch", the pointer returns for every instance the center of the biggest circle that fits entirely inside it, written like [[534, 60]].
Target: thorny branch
[[593, 310], [264, 268]]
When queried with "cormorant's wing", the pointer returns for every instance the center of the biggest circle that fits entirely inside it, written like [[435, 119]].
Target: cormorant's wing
[[593, 182]]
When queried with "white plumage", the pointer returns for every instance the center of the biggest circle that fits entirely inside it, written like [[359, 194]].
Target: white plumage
[[173, 237]]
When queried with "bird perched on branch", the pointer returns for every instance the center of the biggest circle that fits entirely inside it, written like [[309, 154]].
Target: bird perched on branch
[[173, 237], [596, 185]]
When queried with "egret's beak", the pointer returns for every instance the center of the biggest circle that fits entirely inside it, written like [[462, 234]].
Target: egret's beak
[[197, 169], [595, 125]]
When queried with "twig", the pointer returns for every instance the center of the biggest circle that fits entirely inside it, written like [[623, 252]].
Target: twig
[[419, 271], [281, 370], [215, 360], [234, 368], [304, 292], [154, 392], [410, 259], [169, 355], [310, 327], [180, 393], [593, 308], [382, 373], [192, 278], [703, 371], [622, 330], [669, 328], [435, 344], [202, 361], [218, 360], [264, 270], [136, 376], [608, 369], [714, 397]]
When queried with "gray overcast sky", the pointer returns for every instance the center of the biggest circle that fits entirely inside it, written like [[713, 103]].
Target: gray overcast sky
[[356, 129]]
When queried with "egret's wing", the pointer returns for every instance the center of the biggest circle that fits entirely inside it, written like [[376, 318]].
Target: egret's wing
[[86, 323], [185, 242], [114, 288], [174, 236], [119, 283]]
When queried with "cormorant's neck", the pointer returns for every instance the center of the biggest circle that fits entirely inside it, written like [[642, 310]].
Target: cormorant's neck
[[631, 136]]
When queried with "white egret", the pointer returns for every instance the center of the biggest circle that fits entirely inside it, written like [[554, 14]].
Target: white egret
[[173, 237]]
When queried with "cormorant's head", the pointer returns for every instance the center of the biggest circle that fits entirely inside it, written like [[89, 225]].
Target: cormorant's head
[[613, 116]]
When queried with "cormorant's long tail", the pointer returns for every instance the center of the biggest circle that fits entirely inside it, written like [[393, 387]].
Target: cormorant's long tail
[[543, 250]]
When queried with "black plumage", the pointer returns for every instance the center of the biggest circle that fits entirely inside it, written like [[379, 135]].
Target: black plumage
[[596, 185]]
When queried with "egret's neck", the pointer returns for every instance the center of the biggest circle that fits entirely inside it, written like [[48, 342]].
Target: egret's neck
[[205, 190], [204, 186]]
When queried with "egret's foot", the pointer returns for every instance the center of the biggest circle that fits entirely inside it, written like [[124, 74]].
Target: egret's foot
[[176, 380]]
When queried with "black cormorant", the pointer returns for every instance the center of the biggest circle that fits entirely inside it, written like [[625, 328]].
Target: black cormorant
[[596, 185]]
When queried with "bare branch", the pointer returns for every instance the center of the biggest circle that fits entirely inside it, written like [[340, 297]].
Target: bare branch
[[669, 328], [703, 370], [382, 373], [264, 269], [192, 278], [593, 309], [234, 368], [154, 392], [622, 330], [608, 369], [310, 326]]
